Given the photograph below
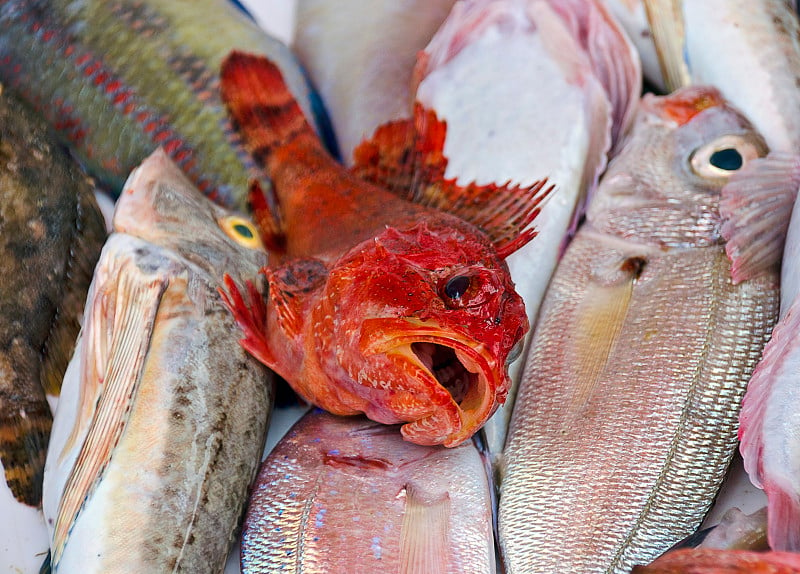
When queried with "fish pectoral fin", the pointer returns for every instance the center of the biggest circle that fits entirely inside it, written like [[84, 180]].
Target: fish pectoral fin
[[127, 327], [756, 206], [387, 159], [666, 25], [290, 288], [424, 534], [250, 313], [601, 316]]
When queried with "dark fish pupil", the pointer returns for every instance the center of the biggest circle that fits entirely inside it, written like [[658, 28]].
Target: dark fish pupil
[[243, 230], [728, 159], [457, 286]]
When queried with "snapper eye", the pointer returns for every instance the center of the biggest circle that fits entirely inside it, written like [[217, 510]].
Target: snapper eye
[[241, 231], [725, 156]]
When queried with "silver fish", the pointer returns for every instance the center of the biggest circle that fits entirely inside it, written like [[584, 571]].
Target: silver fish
[[627, 414], [349, 495], [162, 416]]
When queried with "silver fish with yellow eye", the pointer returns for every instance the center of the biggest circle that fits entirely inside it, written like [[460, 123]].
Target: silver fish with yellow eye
[[162, 416], [627, 414]]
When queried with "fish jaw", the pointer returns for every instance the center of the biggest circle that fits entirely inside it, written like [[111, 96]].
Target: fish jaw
[[448, 409]]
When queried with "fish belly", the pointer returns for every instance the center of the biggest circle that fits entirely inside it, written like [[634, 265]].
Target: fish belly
[[169, 495], [626, 418]]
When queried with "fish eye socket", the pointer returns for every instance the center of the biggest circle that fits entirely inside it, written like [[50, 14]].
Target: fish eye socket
[[725, 156], [241, 231]]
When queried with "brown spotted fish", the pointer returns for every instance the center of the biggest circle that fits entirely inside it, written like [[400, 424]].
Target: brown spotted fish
[[162, 418], [51, 233]]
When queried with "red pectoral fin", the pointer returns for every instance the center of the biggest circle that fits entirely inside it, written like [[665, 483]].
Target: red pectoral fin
[[250, 314], [291, 289], [267, 220]]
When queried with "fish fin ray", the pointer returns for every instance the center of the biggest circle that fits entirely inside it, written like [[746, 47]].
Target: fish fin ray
[[89, 236], [250, 314], [267, 220], [387, 158], [756, 206], [23, 447], [424, 537], [289, 288], [665, 18], [129, 334]]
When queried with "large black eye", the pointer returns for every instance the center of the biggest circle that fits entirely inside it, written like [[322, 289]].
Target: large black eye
[[728, 159], [724, 156], [457, 286]]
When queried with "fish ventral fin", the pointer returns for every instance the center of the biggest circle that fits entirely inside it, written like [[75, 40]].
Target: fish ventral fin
[[424, 538], [409, 161], [290, 287], [127, 331], [756, 206]]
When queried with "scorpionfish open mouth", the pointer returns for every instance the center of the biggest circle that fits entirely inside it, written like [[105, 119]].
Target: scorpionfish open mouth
[[459, 378]]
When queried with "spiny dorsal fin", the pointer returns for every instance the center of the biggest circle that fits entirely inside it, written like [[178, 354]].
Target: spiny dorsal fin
[[411, 163]]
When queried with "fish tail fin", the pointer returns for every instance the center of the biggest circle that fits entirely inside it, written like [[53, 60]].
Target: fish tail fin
[[23, 446], [260, 104]]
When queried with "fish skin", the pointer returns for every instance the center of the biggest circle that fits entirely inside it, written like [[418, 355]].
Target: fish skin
[[51, 233], [527, 89], [749, 51], [349, 495], [627, 415], [361, 303], [162, 417], [118, 79], [709, 561], [360, 57]]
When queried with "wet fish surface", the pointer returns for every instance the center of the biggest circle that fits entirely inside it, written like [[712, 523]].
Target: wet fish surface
[[162, 417], [51, 233], [118, 79], [627, 415], [346, 494], [403, 310]]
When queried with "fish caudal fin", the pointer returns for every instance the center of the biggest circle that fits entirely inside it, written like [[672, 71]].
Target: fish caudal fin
[[407, 157], [260, 104], [251, 318], [756, 206], [23, 446]]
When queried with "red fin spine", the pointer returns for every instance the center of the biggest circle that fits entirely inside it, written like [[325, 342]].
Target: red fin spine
[[267, 220], [252, 319], [260, 104]]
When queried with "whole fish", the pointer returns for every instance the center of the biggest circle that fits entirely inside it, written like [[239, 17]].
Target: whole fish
[[117, 79], [349, 495], [749, 51], [627, 414], [360, 56], [162, 416], [518, 90], [708, 561], [51, 233], [377, 304]]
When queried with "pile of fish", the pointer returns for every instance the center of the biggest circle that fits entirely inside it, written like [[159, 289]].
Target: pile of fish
[[539, 306]]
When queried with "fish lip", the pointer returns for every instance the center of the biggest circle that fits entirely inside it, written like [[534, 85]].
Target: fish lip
[[480, 400]]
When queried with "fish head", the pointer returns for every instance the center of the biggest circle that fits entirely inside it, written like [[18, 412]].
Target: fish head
[[683, 149], [429, 322], [160, 205]]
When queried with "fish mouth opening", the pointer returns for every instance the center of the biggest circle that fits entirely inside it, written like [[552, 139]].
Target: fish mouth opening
[[451, 373]]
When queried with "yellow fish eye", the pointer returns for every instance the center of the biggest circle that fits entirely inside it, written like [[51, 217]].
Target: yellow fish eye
[[241, 231]]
